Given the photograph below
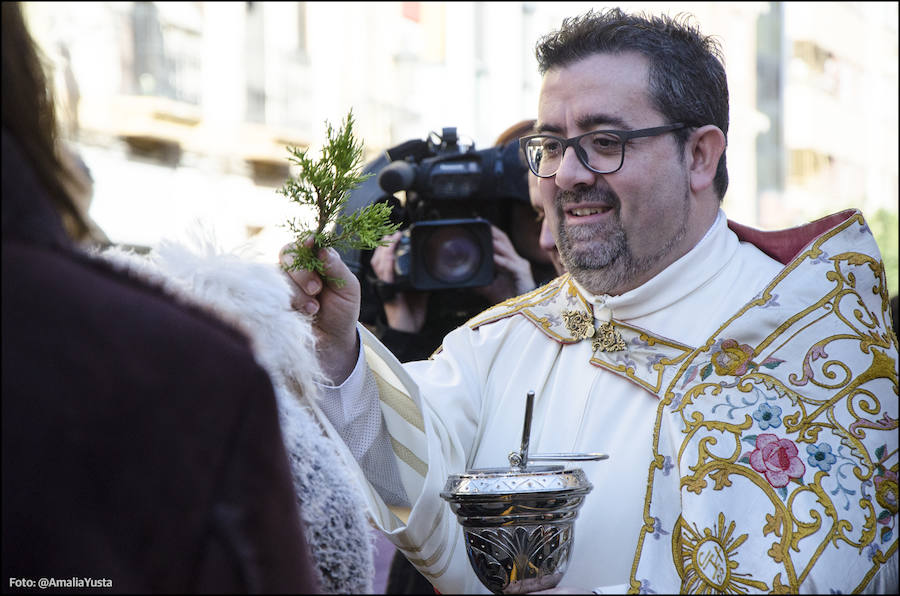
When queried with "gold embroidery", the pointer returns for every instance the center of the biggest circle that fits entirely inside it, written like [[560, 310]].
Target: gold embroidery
[[522, 304], [608, 339], [818, 387], [580, 324], [707, 560], [660, 357]]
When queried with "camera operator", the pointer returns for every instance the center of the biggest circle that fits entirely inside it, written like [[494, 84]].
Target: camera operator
[[412, 322], [406, 311]]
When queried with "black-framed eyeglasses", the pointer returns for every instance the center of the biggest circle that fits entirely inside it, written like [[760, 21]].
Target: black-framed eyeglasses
[[600, 151]]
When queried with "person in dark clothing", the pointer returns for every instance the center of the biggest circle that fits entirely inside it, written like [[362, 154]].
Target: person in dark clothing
[[412, 323], [141, 447]]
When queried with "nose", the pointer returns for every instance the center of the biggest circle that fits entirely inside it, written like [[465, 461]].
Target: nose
[[572, 172]]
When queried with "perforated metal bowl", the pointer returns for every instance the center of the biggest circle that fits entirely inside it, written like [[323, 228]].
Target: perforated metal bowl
[[518, 523]]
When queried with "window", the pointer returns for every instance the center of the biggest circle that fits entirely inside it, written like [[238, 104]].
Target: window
[[166, 56]]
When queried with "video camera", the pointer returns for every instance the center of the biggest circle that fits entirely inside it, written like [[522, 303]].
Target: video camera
[[453, 194]]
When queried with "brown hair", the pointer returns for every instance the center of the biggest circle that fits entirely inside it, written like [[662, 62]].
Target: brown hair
[[29, 116], [519, 129]]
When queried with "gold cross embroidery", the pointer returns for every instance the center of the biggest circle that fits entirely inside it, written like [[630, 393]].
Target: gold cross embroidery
[[581, 326]]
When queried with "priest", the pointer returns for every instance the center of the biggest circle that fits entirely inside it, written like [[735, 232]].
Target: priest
[[743, 382]]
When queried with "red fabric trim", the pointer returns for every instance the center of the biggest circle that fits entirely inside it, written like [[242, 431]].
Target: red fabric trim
[[785, 245]]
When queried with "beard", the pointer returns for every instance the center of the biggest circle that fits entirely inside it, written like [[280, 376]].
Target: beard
[[600, 256]]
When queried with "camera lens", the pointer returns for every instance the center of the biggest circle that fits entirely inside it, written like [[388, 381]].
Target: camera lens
[[453, 254]]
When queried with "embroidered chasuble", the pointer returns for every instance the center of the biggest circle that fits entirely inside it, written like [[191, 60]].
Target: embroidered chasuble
[[755, 452]]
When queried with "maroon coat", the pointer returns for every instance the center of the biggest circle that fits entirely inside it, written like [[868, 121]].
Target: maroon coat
[[140, 437]]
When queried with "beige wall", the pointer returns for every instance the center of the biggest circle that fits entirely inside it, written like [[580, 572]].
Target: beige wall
[[462, 64]]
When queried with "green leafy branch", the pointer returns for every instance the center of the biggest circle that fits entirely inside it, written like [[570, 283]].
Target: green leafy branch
[[325, 185]]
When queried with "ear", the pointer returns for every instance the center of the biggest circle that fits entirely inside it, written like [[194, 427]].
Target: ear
[[704, 148]]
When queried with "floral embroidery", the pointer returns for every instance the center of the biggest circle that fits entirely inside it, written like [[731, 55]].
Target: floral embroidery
[[821, 382], [777, 459], [733, 359], [729, 358], [886, 491], [770, 417], [820, 456], [657, 528], [885, 482]]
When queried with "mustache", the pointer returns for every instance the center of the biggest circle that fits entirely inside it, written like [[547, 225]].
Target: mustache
[[604, 196]]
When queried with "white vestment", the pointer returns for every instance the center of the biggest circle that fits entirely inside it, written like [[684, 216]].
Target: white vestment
[[726, 334]]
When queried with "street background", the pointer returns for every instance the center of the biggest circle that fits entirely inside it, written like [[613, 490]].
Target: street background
[[182, 110]]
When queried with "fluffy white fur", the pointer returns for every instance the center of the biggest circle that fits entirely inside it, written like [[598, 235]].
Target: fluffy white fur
[[255, 298]]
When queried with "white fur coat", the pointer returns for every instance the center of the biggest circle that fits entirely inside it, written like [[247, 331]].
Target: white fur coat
[[255, 298]]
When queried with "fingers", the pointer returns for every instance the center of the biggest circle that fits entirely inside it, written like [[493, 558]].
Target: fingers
[[308, 282], [500, 237], [336, 272], [309, 285], [304, 303], [510, 263], [502, 244], [382, 261], [334, 299], [505, 255], [337, 275], [504, 263]]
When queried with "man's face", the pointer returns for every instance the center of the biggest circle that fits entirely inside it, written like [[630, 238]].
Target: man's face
[[527, 233], [614, 231], [546, 239]]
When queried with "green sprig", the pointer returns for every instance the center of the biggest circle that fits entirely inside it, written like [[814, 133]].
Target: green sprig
[[325, 185]]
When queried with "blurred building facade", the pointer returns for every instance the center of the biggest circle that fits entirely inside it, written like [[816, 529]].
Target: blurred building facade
[[182, 110]]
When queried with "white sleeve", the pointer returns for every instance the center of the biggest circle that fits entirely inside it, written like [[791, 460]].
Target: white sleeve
[[353, 409]]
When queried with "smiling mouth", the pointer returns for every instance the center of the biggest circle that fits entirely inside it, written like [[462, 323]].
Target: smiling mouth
[[587, 211]]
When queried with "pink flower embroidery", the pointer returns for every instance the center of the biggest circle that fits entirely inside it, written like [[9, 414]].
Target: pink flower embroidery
[[777, 459], [886, 491], [733, 359]]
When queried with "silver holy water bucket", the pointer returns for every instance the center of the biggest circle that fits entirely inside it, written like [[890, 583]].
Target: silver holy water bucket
[[518, 522]]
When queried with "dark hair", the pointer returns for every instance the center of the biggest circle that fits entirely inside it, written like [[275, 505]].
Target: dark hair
[[687, 76], [29, 116]]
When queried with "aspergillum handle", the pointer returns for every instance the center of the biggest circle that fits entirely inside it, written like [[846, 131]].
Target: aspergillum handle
[[520, 460]]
